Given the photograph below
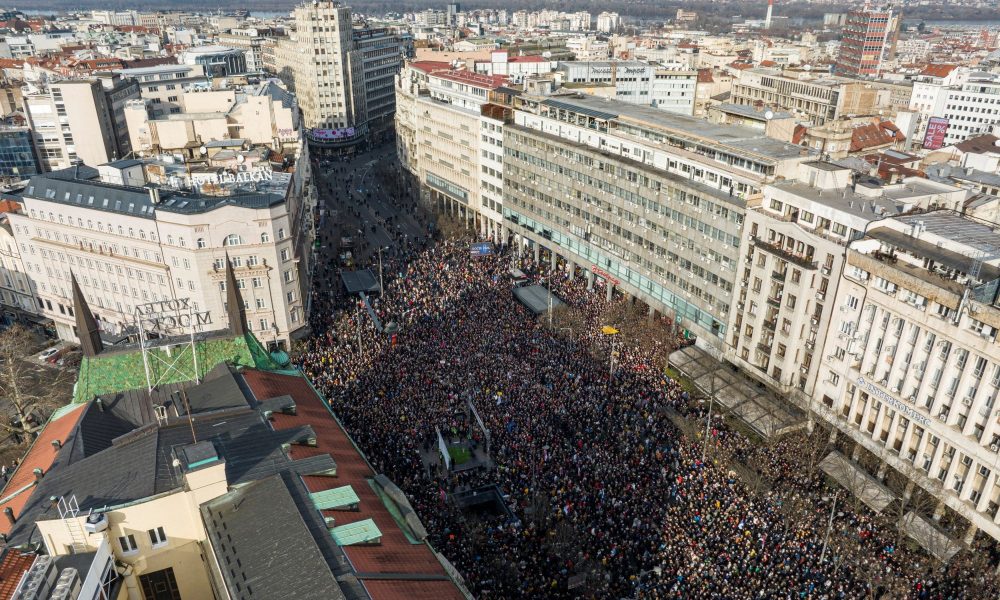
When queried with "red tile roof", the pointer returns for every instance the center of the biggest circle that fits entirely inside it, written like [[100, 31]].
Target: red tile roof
[[13, 566], [395, 555], [938, 70], [475, 79], [874, 135], [9, 206], [534, 58], [428, 66], [705, 76], [41, 455]]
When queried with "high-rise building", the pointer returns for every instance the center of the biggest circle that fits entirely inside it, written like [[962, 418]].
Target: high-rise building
[[608, 22], [870, 37], [343, 75], [71, 120]]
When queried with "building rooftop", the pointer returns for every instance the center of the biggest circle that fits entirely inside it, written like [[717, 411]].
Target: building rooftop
[[741, 140], [80, 186], [751, 112]]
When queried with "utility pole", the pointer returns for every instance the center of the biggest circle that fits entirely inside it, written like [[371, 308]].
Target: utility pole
[[381, 288]]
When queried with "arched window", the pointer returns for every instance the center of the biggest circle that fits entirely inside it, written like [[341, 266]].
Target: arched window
[[265, 238], [233, 240], [201, 242]]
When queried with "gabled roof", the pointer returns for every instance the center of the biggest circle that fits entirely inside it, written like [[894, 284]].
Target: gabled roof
[[874, 135], [937, 70], [42, 454], [979, 145]]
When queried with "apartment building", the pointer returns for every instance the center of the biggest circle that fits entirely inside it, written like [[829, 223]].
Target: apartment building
[[641, 199], [869, 40], [608, 22], [71, 120], [381, 57], [458, 150], [251, 40], [814, 99], [792, 253], [162, 85], [129, 245], [910, 369]]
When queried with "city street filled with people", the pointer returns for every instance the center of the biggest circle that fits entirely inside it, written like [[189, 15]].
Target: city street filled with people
[[609, 497]]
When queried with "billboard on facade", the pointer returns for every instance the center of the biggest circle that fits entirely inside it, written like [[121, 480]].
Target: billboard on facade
[[332, 134], [937, 128]]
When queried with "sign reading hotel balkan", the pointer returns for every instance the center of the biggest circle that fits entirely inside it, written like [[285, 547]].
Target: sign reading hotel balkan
[[255, 174], [170, 316]]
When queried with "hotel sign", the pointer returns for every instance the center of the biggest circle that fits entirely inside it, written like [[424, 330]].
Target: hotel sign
[[255, 174], [900, 406], [170, 316]]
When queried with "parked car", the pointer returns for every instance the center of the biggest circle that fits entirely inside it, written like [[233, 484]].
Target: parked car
[[59, 354], [48, 353]]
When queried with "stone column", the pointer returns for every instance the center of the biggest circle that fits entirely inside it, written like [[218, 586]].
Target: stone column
[[538, 252], [590, 287], [553, 260], [571, 269], [610, 290]]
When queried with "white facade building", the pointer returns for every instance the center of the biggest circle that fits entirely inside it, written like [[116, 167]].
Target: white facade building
[[128, 246], [911, 368]]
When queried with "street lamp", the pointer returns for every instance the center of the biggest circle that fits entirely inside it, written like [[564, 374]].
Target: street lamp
[[381, 288]]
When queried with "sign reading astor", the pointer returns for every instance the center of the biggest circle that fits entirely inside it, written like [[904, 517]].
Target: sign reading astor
[[170, 316]]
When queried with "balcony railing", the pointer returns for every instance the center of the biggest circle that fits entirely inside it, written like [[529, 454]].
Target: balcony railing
[[780, 252]]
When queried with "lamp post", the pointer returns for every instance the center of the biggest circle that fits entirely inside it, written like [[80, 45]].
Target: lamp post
[[611, 331], [381, 288]]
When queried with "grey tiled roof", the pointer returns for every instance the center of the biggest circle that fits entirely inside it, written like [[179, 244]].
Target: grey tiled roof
[[264, 547], [79, 186]]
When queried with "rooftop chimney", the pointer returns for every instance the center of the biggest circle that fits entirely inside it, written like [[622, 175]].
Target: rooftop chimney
[[9, 513]]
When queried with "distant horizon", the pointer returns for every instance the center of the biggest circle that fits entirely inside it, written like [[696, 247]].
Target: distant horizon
[[941, 14]]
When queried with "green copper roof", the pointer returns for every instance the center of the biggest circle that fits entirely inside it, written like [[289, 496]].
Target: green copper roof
[[112, 371], [342, 498], [362, 532]]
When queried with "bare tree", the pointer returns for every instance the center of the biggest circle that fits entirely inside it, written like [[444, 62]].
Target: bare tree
[[452, 228], [28, 397]]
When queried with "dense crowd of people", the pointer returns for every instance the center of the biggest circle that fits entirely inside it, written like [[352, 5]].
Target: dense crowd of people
[[610, 498]]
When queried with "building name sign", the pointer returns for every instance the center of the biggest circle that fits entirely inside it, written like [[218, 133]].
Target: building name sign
[[170, 316], [892, 401], [252, 175]]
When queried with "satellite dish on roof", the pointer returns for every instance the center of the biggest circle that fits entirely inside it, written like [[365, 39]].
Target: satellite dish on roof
[[769, 114], [996, 143], [203, 150], [807, 68], [240, 158]]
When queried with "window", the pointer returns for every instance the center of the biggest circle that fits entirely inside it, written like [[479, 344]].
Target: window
[[157, 537], [220, 263], [284, 254], [852, 302], [263, 324], [260, 303], [289, 276], [281, 233], [265, 238], [127, 544], [201, 243], [252, 260], [233, 240], [256, 282]]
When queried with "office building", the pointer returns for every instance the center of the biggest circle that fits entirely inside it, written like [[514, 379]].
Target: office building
[[342, 75], [792, 254], [600, 183], [71, 121], [162, 85], [17, 154], [223, 476], [130, 244], [909, 371], [869, 39]]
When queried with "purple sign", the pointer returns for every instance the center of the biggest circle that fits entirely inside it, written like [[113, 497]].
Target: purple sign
[[937, 128], [332, 134]]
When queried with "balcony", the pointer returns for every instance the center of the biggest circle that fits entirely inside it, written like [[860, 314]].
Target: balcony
[[777, 250], [771, 325], [779, 276], [776, 302]]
